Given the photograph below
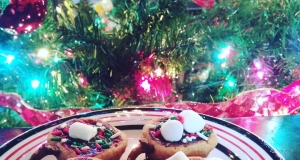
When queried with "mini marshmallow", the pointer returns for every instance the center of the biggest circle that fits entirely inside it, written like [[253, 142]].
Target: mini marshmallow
[[172, 131], [184, 141], [178, 156], [192, 121], [82, 131]]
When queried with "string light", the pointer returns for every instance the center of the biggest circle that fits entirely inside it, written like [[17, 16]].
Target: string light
[[158, 72], [43, 53], [9, 59], [225, 53], [35, 83], [145, 84]]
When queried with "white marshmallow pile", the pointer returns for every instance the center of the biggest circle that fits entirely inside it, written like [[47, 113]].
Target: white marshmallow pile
[[82, 131], [172, 130], [192, 121]]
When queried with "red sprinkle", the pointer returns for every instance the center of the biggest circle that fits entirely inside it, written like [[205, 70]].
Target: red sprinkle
[[187, 135], [180, 119], [77, 150], [57, 133], [101, 136], [66, 130], [97, 145], [101, 132], [157, 133], [84, 150], [194, 134]]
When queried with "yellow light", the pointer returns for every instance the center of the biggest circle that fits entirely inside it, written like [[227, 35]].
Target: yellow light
[[53, 73], [43, 53]]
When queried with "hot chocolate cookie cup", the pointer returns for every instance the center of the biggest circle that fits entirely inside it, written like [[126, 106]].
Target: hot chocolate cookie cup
[[85, 138], [155, 149]]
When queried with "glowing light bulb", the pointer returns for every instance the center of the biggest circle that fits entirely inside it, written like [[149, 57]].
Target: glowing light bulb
[[230, 83], [9, 59], [145, 84], [158, 72], [53, 73], [43, 53], [257, 65], [224, 65], [260, 75], [225, 53], [58, 9], [35, 83]]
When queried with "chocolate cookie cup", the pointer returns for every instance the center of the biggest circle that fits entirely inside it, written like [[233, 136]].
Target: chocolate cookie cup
[[86, 138], [187, 132]]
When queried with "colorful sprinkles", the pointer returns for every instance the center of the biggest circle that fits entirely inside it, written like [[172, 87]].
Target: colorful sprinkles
[[103, 140]]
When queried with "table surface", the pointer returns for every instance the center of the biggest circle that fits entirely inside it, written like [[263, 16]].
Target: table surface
[[281, 132]]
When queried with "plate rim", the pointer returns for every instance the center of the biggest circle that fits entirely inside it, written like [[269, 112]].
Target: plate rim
[[270, 150]]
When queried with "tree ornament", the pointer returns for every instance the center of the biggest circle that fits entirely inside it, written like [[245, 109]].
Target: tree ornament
[[23, 16], [205, 3]]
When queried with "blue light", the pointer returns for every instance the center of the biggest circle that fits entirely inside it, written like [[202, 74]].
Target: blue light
[[9, 59], [35, 83]]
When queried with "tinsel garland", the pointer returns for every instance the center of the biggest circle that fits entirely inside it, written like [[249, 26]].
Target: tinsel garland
[[259, 102]]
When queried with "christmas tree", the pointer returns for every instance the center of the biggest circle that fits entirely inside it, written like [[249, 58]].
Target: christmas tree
[[107, 53]]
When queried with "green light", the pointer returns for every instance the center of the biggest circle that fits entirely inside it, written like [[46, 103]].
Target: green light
[[230, 83], [35, 83]]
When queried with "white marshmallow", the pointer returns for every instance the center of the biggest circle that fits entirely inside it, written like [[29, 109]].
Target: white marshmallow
[[82, 131], [172, 130], [192, 121], [178, 156]]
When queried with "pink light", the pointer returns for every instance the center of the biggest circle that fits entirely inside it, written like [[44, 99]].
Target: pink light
[[257, 64], [145, 84], [260, 74]]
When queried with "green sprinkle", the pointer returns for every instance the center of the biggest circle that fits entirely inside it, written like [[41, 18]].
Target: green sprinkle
[[92, 142], [173, 118], [164, 121], [97, 137], [106, 145], [108, 131], [74, 143], [207, 133], [98, 129], [158, 126], [108, 134], [55, 139]]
